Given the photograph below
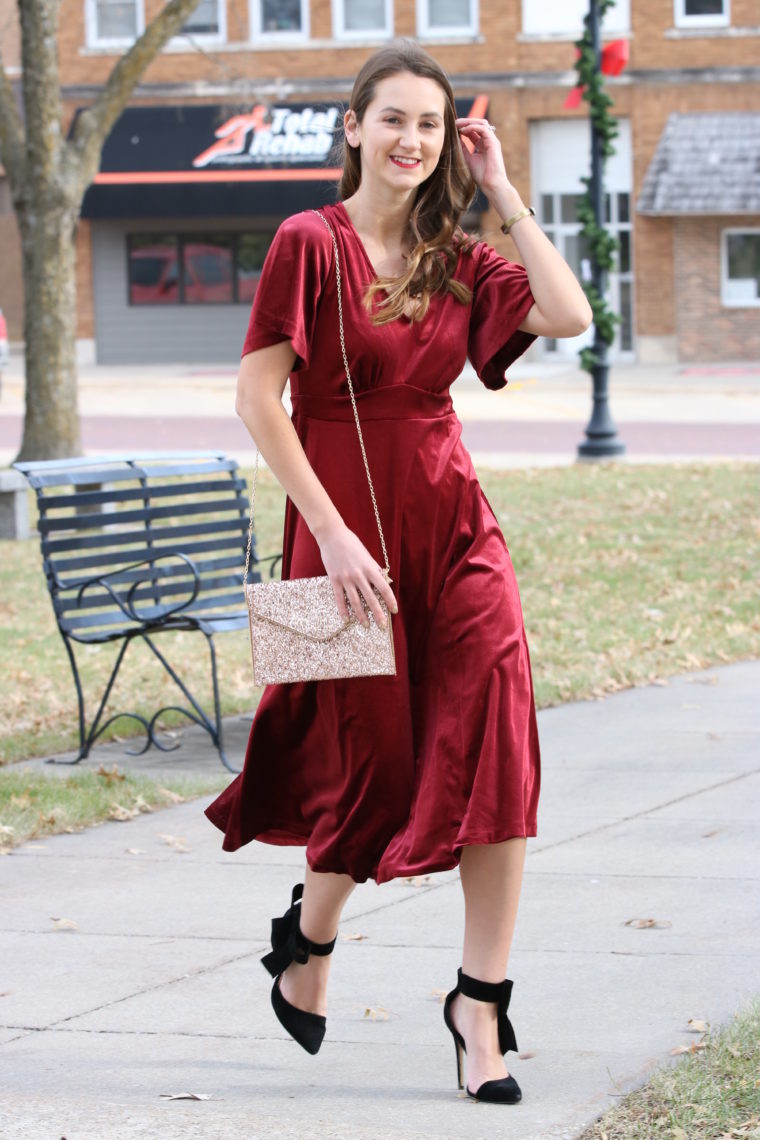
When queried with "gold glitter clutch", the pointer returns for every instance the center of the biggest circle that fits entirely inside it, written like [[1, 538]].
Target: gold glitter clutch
[[297, 633]]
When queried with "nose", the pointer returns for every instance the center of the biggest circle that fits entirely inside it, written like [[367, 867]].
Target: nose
[[410, 137]]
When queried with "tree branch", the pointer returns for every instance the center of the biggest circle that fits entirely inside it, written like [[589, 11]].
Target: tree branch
[[93, 125], [11, 134]]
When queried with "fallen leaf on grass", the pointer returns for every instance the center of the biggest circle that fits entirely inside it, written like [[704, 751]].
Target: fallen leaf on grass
[[176, 842], [121, 814], [174, 797], [186, 1096], [648, 924], [64, 924], [352, 937], [376, 1014], [695, 1047], [696, 1026], [112, 776]]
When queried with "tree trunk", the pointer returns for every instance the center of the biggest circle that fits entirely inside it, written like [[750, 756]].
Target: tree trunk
[[48, 176], [51, 425]]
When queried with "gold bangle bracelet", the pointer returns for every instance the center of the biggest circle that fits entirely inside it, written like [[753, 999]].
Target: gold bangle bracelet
[[527, 212]]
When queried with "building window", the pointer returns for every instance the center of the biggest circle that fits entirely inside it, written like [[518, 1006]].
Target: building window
[[362, 19], [280, 20], [206, 20], [195, 269], [113, 23], [447, 17], [740, 273], [558, 214], [565, 17], [702, 13]]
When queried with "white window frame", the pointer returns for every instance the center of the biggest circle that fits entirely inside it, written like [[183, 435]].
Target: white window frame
[[363, 35], [184, 40], [684, 21], [91, 27], [573, 31], [724, 300], [260, 35], [426, 30]]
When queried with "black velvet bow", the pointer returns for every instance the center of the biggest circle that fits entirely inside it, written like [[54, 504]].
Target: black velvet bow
[[507, 1039], [288, 943]]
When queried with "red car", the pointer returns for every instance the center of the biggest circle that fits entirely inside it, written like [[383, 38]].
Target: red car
[[4, 349]]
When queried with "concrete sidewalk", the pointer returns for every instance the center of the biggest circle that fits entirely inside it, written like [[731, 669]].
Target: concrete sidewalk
[[649, 811], [663, 412]]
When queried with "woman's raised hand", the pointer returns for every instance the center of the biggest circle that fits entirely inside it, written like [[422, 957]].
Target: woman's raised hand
[[355, 576], [482, 153]]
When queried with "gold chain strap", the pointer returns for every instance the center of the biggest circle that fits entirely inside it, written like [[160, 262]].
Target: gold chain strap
[[387, 569]]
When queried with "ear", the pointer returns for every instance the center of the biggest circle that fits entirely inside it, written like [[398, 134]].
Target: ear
[[351, 128]]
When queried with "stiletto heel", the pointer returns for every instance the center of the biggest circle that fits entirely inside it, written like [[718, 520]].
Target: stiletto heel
[[505, 1090], [289, 944], [458, 1048]]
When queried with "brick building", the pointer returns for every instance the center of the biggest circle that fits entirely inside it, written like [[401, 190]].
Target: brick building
[[230, 128]]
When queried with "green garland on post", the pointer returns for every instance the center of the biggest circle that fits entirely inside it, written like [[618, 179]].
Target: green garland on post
[[601, 245]]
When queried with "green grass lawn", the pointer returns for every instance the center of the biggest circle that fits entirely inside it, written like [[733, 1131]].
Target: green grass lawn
[[627, 574], [714, 1094]]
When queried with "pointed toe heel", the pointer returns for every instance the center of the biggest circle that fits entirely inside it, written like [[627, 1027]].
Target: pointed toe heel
[[505, 1090], [289, 945]]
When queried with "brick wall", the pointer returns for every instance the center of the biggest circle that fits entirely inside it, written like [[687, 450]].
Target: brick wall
[[705, 329]]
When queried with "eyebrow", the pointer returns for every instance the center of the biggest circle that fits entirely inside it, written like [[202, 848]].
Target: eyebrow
[[424, 115]]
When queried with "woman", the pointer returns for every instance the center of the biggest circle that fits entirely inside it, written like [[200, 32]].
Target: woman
[[438, 766]]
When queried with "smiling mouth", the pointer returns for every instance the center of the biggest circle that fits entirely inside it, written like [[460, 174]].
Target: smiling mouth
[[406, 163]]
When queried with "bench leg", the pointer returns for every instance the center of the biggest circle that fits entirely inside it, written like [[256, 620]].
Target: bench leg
[[88, 738], [199, 716]]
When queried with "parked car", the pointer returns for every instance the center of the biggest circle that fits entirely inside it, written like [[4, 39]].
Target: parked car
[[5, 354]]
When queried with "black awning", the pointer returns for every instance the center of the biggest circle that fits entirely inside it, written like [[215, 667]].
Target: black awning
[[211, 160]]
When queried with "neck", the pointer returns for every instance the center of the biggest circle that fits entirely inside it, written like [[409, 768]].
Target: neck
[[381, 218]]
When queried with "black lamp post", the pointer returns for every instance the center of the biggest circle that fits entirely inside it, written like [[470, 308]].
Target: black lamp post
[[602, 440]]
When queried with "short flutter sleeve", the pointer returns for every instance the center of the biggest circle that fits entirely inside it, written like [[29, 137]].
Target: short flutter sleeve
[[501, 301], [295, 269]]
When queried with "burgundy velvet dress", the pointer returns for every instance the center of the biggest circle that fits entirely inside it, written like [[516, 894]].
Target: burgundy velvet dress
[[382, 777]]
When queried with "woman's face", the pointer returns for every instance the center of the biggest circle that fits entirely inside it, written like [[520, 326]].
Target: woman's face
[[402, 133]]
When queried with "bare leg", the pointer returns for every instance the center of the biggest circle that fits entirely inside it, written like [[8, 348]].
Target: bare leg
[[324, 896], [491, 879]]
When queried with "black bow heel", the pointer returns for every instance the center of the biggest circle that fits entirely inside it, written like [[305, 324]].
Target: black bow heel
[[290, 945], [503, 1091]]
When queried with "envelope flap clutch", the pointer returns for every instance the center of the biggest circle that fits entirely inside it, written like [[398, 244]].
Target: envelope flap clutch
[[297, 606]]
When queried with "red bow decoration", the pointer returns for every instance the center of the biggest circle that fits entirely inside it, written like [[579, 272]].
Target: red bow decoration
[[614, 59]]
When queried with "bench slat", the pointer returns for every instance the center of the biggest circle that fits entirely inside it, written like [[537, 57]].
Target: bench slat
[[114, 617], [139, 537], [111, 559], [99, 520], [162, 592], [154, 491]]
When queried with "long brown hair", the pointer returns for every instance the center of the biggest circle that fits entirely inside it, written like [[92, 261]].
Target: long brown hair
[[433, 233]]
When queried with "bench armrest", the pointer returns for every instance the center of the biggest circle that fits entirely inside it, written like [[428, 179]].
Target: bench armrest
[[125, 602]]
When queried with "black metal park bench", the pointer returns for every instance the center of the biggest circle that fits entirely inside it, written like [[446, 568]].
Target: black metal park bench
[[139, 545]]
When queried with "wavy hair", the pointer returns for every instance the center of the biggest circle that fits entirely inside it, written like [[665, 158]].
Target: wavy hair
[[433, 233]]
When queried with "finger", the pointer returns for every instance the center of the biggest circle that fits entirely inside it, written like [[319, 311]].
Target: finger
[[374, 605], [383, 588], [340, 600], [355, 602]]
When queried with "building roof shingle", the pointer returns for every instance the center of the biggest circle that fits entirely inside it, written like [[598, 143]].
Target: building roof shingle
[[705, 163]]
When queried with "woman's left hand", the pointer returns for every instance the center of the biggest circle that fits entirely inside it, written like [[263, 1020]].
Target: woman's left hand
[[483, 154]]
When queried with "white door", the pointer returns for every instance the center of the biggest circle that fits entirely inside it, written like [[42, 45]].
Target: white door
[[561, 156]]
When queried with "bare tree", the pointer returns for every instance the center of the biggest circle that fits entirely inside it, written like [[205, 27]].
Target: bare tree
[[48, 176]]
